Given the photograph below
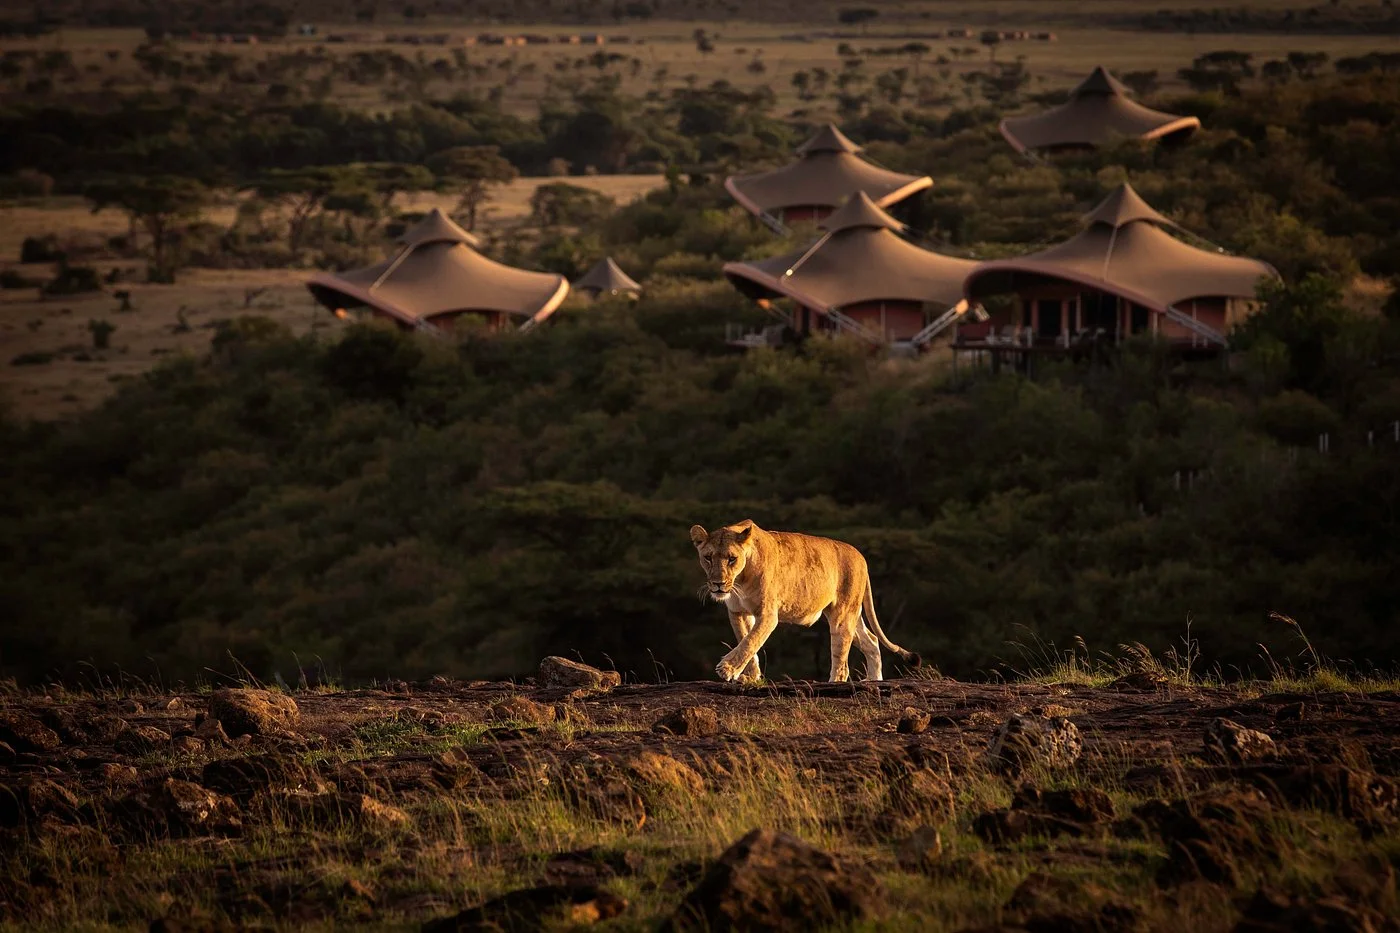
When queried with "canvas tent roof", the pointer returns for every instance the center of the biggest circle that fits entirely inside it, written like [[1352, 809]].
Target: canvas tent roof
[[861, 258], [1098, 110], [1124, 250], [438, 273], [826, 174], [606, 276]]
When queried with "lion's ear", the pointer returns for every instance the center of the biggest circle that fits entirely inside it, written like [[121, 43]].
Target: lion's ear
[[698, 535], [741, 536]]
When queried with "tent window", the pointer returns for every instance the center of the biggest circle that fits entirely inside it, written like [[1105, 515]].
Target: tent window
[[1141, 320], [1100, 311]]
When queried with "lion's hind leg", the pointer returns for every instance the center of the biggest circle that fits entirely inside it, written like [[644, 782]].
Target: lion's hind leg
[[870, 648]]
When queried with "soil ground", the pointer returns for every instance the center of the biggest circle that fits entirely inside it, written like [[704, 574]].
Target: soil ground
[[469, 800]]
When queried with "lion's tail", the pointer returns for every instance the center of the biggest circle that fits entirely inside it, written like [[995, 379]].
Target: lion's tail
[[868, 608]]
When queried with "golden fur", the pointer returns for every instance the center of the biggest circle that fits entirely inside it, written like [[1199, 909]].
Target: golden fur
[[767, 577]]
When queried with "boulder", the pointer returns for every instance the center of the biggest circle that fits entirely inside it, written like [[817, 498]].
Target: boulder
[[1231, 743], [374, 814], [1140, 681], [244, 778], [212, 733], [24, 733], [921, 850], [561, 672], [920, 793], [1212, 835], [913, 721], [1082, 805], [187, 744], [773, 882], [193, 809], [63, 721], [662, 771], [245, 711], [688, 720], [1276, 912], [523, 709], [531, 909], [1025, 742], [1369, 800], [139, 740], [453, 769], [604, 792], [117, 775]]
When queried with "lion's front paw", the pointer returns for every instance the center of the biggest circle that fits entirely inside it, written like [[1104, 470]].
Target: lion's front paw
[[727, 671]]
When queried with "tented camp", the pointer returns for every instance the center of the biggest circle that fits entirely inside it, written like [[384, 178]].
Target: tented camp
[[1098, 112], [606, 278], [1123, 274], [437, 277], [861, 277], [827, 172]]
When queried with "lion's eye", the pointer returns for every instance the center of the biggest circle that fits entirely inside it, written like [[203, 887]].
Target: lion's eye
[[733, 561]]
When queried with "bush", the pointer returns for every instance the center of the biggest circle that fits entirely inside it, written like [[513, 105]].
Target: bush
[[40, 249], [73, 280]]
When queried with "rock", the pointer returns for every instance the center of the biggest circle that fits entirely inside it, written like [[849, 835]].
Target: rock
[[187, 744], [532, 909], [1275, 912], [561, 672], [212, 733], [1002, 826], [921, 850], [771, 881], [1140, 680], [1025, 742], [65, 723], [593, 865], [245, 711], [604, 792], [913, 721], [374, 814], [523, 709], [920, 793], [174, 704], [1369, 800], [196, 809], [571, 715], [1210, 835], [1081, 805], [1291, 712], [50, 799], [139, 740], [24, 733], [1049, 903], [117, 775], [1229, 742], [663, 771], [244, 778], [688, 720], [104, 729], [453, 769], [131, 706]]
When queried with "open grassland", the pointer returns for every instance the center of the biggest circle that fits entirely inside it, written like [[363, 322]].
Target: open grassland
[[391, 807], [663, 56], [49, 365]]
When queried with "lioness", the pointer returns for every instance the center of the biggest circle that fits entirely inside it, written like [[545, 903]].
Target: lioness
[[767, 577]]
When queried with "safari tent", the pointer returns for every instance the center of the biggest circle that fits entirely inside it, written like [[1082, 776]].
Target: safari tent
[[829, 170], [1097, 112], [436, 277], [861, 277], [606, 278], [1123, 274]]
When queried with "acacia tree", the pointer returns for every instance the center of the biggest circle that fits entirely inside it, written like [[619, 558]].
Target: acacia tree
[[472, 171], [159, 205], [302, 193]]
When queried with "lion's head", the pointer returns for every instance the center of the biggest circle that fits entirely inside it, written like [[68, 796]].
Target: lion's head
[[724, 555]]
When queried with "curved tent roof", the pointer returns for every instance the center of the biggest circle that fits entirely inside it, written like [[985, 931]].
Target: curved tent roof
[[828, 171], [861, 258], [1098, 110], [606, 276], [438, 274], [1124, 250]]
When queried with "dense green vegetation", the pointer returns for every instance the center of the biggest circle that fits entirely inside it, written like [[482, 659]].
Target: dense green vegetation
[[386, 505], [402, 506]]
